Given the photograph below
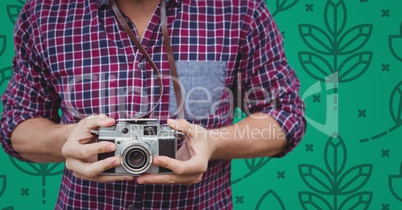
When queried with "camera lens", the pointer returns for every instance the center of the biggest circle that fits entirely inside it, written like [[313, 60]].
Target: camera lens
[[136, 158]]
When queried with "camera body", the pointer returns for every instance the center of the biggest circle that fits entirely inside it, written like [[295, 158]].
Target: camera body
[[137, 142]]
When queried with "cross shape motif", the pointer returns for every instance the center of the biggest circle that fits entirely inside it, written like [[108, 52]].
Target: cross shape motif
[[281, 174], [385, 153], [24, 191], [317, 98], [362, 113], [385, 13], [385, 67], [309, 7], [239, 199], [309, 147]]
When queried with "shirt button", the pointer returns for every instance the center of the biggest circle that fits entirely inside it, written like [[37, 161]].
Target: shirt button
[[131, 207], [140, 66]]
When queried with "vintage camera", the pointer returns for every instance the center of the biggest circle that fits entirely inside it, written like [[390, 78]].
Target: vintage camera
[[137, 142]]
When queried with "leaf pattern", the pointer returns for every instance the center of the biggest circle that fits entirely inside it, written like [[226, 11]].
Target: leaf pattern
[[34, 169], [5, 75], [270, 200], [283, 5], [335, 155], [316, 178], [316, 38], [335, 16], [310, 201], [360, 200], [3, 44], [355, 66], [354, 178], [354, 39], [315, 65], [13, 11], [395, 104], [254, 164], [3, 183]]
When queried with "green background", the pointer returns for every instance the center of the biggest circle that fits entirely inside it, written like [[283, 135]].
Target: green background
[[348, 56]]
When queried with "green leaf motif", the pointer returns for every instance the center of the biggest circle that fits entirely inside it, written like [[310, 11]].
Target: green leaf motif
[[315, 65], [3, 44], [13, 11], [310, 201], [3, 183], [395, 104], [316, 178], [316, 38], [254, 164], [5, 75], [360, 200], [335, 155], [354, 39], [270, 200], [355, 178], [335, 16], [282, 5], [34, 169], [355, 66]]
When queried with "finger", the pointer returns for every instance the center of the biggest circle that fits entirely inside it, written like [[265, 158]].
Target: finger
[[169, 179], [192, 166], [94, 122], [85, 151], [180, 125], [102, 178], [91, 170]]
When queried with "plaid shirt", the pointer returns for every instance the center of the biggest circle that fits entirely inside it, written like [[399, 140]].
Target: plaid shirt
[[73, 57]]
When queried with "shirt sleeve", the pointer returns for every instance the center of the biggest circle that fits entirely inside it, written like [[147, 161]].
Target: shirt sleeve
[[29, 93], [269, 84]]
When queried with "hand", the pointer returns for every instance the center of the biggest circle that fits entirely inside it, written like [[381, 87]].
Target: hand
[[192, 158], [81, 151]]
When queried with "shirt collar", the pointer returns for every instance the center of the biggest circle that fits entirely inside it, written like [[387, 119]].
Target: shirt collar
[[102, 3]]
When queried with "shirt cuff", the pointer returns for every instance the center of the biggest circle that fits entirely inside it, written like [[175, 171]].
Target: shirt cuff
[[292, 124]]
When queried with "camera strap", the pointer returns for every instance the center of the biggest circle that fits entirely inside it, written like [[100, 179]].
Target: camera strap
[[172, 66]]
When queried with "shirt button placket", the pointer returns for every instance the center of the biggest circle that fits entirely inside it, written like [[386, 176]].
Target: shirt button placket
[[140, 66]]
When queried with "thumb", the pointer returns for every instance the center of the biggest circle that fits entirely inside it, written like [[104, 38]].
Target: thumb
[[96, 121], [180, 125]]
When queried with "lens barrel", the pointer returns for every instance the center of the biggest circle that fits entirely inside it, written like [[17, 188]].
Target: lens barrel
[[136, 158]]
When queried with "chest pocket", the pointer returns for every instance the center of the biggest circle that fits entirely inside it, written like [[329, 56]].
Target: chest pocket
[[202, 85]]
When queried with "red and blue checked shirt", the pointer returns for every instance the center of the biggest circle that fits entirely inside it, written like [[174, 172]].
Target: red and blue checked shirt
[[72, 57]]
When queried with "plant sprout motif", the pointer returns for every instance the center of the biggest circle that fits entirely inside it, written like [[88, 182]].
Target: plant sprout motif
[[42, 170], [335, 58], [336, 182], [282, 5], [395, 108], [334, 45]]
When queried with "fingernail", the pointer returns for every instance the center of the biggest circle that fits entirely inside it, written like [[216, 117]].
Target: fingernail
[[116, 162], [110, 148]]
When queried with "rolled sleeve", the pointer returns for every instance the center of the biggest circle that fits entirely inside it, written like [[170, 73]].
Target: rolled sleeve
[[270, 85], [29, 93]]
